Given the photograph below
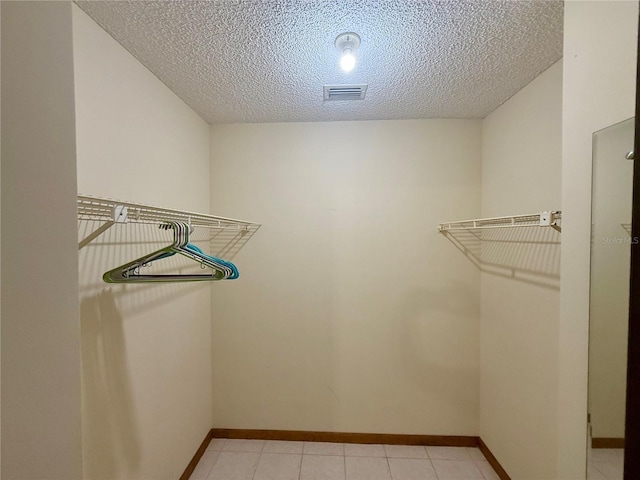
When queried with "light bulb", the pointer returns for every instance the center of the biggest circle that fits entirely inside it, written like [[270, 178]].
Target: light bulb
[[348, 61]]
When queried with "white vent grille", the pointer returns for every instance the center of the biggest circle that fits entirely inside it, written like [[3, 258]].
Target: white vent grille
[[345, 92]]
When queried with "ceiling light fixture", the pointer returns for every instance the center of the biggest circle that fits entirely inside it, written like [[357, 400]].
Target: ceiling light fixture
[[347, 43]]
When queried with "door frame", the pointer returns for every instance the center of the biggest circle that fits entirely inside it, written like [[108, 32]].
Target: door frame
[[632, 418]]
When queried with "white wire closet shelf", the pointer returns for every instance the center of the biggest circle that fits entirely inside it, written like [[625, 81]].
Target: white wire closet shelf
[[543, 219], [115, 211]]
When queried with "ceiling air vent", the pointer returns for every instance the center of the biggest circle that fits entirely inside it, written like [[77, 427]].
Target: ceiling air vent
[[345, 92]]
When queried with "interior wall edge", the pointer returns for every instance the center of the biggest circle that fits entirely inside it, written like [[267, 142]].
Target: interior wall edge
[[197, 456], [41, 363], [599, 83], [493, 461], [521, 169], [146, 364]]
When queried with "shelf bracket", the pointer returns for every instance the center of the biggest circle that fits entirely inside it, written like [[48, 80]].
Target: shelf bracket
[[118, 215], [548, 219]]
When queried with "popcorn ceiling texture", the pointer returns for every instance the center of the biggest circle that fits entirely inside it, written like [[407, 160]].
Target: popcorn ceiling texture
[[267, 60]]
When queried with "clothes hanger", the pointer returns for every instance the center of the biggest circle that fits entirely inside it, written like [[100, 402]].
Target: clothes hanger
[[130, 272], [189, 250], [233, 274]]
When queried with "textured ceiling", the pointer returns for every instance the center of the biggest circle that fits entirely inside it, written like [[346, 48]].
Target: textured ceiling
[[267, 60]]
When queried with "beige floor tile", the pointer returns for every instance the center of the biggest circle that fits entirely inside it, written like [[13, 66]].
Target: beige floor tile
[[406, 451], [323, 448], [362, 450], [412, 469], [216, 444], [367, 468], [476, 454], [610, 470], [234, 466], [235, 445], [279, 446], [593, 474], [607, 455], [322, 467], [205, 465], [448, 453], [487, 470], [278, 466], [457, 470]]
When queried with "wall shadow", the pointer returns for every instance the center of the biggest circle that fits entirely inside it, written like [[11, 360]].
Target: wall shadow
[[108, 416], [114, 408], [527, 254], [124, 242]]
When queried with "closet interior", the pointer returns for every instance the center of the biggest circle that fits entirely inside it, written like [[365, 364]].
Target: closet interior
[[356, 327]]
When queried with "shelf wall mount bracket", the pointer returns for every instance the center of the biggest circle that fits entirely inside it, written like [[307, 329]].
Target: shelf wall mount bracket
[[119, 214]]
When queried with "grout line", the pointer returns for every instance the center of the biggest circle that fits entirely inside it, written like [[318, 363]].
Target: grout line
[[388, 465], [344, 462], [478, 467], [255, 469], [213, 465], [434, 468]]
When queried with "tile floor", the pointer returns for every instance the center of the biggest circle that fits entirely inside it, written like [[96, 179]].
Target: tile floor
[[278, 460], [605, 464]]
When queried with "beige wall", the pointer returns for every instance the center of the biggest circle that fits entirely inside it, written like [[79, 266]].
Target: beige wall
[[351, 313], [521, 170], [146, 349], [41, 431], [600, 41], [610, 268]]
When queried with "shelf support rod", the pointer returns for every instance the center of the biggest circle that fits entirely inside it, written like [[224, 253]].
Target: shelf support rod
[[119, 214], [95, 234]]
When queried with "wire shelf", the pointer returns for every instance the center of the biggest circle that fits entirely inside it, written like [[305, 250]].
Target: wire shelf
[[115, 211], [93, 208], [542, 219]]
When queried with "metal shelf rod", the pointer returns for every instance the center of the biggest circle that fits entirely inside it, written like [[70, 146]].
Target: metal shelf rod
[[542, 219], [446, 227]]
